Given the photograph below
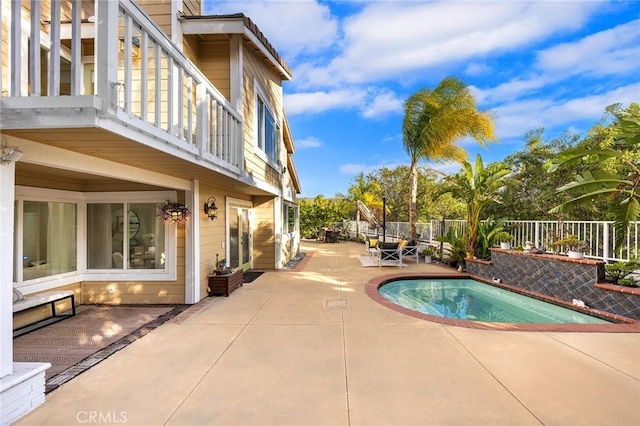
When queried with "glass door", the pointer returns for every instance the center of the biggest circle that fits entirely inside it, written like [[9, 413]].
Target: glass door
[[239, 238]]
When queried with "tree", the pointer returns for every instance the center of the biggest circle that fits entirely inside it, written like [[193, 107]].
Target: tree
[[621, 189], [319, 212], [476, 188], [434, 121], [392, 184], [365, 190]]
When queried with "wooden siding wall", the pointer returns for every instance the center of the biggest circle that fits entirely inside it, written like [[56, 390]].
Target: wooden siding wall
[[191, 49], [214, 62], [192, 7], [160, 12], [212, 235], [255, 69], [264, 255]]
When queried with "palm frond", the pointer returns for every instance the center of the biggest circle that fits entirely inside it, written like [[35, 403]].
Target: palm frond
[[580, 155], [624, 213], [593, 181]]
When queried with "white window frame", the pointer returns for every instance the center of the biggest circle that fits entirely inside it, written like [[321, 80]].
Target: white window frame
[[285, 218], [169, 273], [259, 94]]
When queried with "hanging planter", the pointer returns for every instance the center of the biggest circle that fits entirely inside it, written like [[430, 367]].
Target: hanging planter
[[173, 212]]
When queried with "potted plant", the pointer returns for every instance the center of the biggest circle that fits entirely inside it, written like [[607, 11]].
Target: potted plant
[[505, 239], [221, 266], [573, 246], [428, 252]]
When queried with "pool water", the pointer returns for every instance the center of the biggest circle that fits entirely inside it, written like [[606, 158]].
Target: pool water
[[467, 299]]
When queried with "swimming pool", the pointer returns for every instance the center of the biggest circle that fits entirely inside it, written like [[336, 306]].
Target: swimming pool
[[467, 299]]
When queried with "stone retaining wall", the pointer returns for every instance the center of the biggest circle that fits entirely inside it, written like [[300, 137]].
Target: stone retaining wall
[[557, 276]]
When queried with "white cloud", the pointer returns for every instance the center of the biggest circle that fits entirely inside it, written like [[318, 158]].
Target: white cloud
[[610, 52], [516, 118], [392, 38], [613, 51], [371, 103], [511, 90], [477, 68], [317, 102], [292, 27], [383, 103], [310, 142]]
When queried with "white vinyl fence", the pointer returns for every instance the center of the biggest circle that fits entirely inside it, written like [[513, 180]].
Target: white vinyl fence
[[600, 235]]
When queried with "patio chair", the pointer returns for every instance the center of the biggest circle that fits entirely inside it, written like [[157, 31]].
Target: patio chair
[[371, 246], [321, 236], [409, 250], [389, 254]]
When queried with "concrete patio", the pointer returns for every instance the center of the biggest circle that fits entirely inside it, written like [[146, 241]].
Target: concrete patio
[[309, 347]]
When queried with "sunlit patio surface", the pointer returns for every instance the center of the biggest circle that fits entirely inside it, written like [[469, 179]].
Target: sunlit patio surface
[[309, 347]]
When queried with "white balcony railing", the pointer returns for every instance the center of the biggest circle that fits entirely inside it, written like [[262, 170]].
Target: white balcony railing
[[112, 50], [600, 235]]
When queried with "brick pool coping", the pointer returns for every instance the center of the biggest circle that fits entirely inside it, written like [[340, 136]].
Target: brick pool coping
[[627, 325]]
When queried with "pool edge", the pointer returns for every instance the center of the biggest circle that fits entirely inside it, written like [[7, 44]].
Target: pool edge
[[627, 326]]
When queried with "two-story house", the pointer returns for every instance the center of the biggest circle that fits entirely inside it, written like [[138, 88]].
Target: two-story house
[[139, 142]]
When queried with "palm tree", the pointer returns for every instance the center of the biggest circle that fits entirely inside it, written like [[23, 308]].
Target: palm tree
[[434, 121], [623, 190], [476, 189]]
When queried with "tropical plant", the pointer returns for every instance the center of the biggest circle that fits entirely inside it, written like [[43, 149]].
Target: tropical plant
[[429, 251], [476, 188], [620, 270], [434, 121], [490, 232], [623, 191], [457, 245]]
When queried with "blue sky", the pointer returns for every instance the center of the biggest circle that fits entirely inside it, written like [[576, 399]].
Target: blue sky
[[551, 64]]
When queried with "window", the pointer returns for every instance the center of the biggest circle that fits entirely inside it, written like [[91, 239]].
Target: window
[[63, 237], [267, 129], [48, 239], [116, 240], [289, 218]]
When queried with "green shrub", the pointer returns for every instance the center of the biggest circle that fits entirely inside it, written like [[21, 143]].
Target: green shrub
[[619, 271]]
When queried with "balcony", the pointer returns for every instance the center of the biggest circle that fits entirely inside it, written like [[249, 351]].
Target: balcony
[[104, 68]]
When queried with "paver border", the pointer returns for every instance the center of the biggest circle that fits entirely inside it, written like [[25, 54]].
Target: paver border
[[372, 286]]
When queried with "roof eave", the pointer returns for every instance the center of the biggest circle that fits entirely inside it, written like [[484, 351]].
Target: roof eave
[[236, 24]]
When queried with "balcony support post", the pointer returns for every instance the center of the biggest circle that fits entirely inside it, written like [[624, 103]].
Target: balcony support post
[[34, 54], [16, 50], [106, 48], [76, 48], [54, 50]]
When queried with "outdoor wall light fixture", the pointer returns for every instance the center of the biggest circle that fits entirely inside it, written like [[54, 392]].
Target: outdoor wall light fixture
[[210, 208]]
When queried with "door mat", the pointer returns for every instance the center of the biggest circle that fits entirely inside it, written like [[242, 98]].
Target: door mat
[[250, 276]]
